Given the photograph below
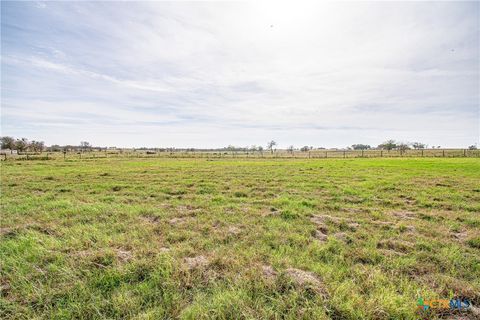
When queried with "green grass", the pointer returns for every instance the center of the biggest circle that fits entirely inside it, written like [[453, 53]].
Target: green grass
[[198, 239]]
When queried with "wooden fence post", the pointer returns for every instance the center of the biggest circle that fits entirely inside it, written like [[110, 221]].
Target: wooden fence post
[[344, 154], [443, 153]]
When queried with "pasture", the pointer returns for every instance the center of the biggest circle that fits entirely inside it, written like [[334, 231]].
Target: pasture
[[159, 238]]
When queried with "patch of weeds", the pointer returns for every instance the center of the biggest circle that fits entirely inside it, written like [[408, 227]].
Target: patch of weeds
[[288, 214], [240, 194], [474, 242]]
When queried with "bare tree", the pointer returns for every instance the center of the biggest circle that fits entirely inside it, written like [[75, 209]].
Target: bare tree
[[403, 146], [85, 145], [37, 146], [21, 144], [418, 145], [304, 148], [290, 149], [270, 146], [8, 143]]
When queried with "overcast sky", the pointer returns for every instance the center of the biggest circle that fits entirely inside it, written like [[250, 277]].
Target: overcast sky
[[195, 74]]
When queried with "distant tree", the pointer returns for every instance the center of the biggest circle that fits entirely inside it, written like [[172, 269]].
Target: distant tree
[[270, 145], [260, 148], [472, 147], [55, 147], [419, 145], [290, 149], [8, 143], [36, 146], [305, 148], [360, 146], [253, 148], [21, 144], [85, 145], [403, 146], [388, 145]]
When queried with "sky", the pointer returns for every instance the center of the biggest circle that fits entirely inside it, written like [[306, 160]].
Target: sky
[[212, 74]]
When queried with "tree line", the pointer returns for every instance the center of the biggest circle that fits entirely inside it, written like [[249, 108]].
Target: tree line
[[24, 145]]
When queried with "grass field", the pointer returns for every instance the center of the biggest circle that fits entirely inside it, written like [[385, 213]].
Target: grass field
[[237, 239]]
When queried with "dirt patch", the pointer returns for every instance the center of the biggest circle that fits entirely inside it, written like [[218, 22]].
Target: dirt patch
[[99, 257], [321, 219], [5, 287], [124, 255], [385, 224], [395, 245], [404, 215], [460, 236], [150, 219], [8, 232], [306, 280], [233, 231], [353, 226], [177, 221], [341, 236], [188, 210], [320, 235], [391, 253], [355, 210], [197, 262], [268, 272], [410, 229]]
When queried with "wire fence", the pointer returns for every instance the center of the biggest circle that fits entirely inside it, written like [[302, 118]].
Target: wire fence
[[279, 154]]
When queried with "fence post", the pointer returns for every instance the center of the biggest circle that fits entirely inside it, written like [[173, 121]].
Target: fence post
[[464, 152], [422, 152], [443, 153], [362, 153], [381, 153], [27, 156], [344, 154]]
